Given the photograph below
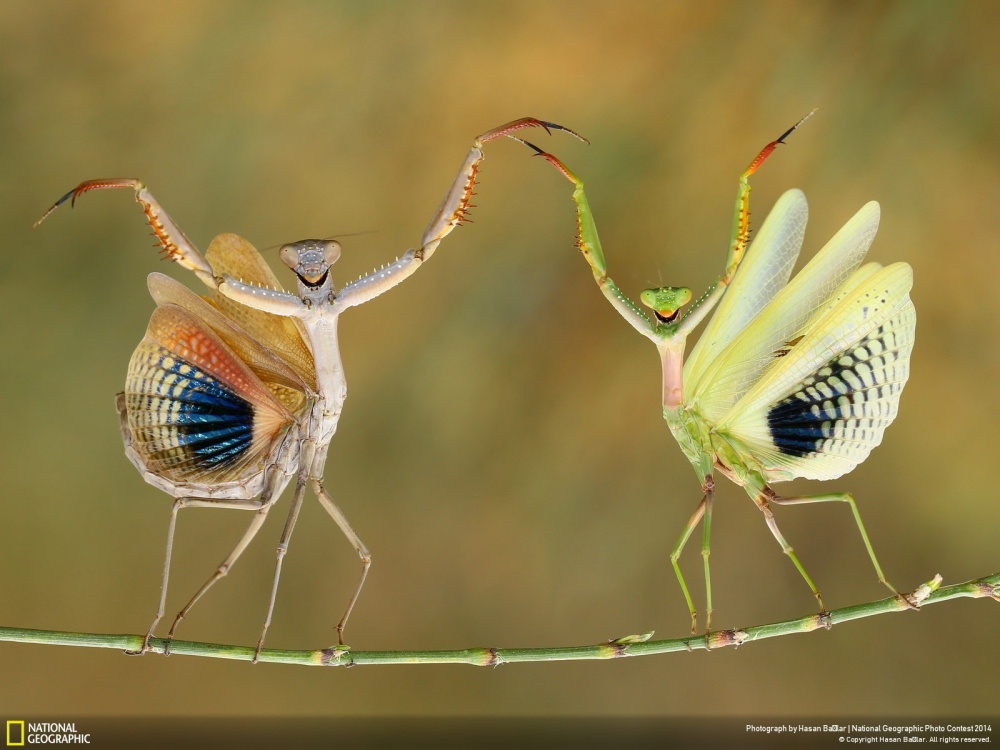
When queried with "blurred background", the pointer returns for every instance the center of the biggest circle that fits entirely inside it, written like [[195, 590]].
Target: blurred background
[[501, 452]]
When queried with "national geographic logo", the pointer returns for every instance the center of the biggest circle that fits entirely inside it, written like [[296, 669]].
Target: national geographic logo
[[21, 733], [15, 733]]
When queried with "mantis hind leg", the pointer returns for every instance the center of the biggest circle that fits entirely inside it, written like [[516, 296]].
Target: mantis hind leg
[[193, 502], [366, 559], [762, 499], [274, 483], [286, 538], [171, 528], [703, 511], [844, 497], [224, 566]]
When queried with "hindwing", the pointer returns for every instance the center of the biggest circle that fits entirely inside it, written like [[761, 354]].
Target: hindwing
[[197, 412]]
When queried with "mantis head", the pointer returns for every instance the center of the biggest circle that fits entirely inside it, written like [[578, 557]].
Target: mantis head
[[665, 301], [310, 259]]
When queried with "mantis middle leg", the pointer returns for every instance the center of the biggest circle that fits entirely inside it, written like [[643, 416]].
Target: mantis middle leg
[[702, 512]]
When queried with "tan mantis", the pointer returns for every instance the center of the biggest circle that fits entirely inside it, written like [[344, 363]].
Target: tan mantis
[[230, 397]]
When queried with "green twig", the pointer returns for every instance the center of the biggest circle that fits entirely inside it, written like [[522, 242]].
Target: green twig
[[635, 645]]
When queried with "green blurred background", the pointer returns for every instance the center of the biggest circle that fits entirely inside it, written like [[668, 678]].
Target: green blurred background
[[501, 452]]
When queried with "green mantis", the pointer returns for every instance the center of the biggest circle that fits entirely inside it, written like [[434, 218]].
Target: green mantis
[[789, 379]]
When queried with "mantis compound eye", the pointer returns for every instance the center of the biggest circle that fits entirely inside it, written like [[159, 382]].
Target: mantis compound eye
[[331, 252], [665, 301], [289, 255]]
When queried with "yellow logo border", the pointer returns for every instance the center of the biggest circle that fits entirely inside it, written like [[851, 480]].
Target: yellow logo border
[[10, 723]]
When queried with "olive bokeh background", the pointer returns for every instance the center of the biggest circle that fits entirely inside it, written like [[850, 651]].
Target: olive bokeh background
[[501, 451]]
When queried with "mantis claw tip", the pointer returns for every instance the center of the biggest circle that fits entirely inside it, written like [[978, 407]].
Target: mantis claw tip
[[54, 206], [557, 126], [532, 146]]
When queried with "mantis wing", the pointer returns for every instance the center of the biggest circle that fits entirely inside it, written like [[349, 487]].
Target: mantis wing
[[756, 349], [763, 273], [281, 379], [197, 412], [233, 255], [825, 405]]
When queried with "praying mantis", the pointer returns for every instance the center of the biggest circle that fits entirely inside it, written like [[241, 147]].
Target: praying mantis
[[230, 397], [790, 379]]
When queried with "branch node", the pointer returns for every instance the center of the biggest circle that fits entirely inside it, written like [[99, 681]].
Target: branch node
[[923, 591], [724, 638]]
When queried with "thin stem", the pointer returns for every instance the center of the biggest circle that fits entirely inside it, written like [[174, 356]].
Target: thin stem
[[637, 645]]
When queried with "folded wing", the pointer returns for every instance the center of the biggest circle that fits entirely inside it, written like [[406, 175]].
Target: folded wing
[[763, 273], [757, 348], [233, 255]]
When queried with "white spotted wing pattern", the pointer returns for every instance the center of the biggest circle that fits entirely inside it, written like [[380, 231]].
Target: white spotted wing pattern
[[810, 384]]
